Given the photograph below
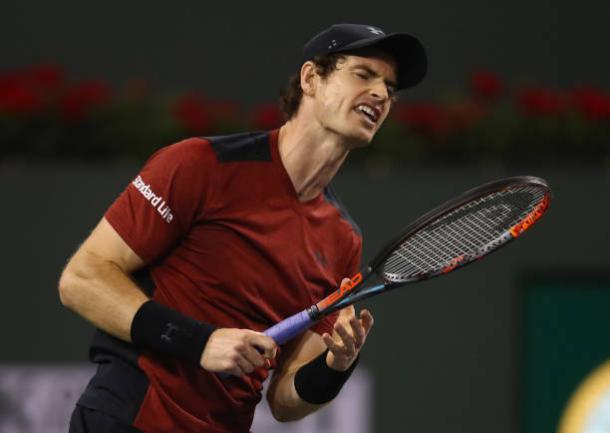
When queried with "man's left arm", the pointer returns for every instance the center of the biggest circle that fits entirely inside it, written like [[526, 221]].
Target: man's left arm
[[313, 368]]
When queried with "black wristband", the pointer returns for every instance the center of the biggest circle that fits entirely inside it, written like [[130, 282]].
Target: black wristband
[[163, 330], [317, 383]]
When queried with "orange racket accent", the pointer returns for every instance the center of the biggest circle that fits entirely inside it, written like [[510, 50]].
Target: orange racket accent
[[531, 218], [340, 292], [453, 264]]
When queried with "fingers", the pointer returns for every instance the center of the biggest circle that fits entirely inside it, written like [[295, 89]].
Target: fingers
[[237, 351], [247, 365], [238, 368], [255, 352], [359, 327], [345, 345], [358, 331], [347, 338], [367, 321], [347, 312], [351, 330], [330, 343], [265, 343], [253, 357], [243, 365]]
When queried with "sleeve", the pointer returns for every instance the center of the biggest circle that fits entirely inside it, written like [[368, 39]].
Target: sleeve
[[161, 203], [326, 324]]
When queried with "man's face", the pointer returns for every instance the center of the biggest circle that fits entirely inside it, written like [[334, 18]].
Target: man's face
[[354, 100]]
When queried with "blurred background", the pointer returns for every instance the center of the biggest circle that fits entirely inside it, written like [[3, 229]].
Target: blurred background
[[513, 344]]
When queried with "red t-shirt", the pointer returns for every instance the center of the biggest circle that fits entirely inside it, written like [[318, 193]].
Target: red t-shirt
[[226, 240]]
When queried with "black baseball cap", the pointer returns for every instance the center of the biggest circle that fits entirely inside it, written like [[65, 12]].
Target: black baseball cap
[[409, 53]]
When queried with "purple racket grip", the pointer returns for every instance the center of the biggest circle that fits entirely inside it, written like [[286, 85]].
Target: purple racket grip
[[283, 331], [289, 327]]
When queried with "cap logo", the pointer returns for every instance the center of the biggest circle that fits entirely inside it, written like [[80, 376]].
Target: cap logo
[[376, 31], [333, 44]]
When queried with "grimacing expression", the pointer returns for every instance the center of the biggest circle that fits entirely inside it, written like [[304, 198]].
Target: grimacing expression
[[354, 100]]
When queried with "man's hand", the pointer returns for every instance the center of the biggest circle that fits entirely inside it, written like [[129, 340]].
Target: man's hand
[[349, 335], [236, 351]]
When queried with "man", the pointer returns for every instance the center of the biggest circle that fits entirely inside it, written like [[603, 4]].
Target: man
[[217, 239]]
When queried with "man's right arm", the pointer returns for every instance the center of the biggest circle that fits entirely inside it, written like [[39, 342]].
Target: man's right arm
[[96, 284]]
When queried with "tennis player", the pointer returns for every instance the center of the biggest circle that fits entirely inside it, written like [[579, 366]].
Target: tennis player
[[218, 238]]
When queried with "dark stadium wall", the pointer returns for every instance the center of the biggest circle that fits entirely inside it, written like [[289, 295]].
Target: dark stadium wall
[[246, 50], [445, 353]]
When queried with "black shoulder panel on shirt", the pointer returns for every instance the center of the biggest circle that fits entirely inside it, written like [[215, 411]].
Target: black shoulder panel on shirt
[[331, 197], [247, 146]]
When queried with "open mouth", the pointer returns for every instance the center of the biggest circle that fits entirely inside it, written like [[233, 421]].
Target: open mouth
[[369, 113]]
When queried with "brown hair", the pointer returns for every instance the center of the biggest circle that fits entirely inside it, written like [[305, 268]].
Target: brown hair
[[292, 93]]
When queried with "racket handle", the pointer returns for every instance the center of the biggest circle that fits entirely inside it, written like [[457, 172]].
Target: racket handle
[[283, 331], [290, 327]]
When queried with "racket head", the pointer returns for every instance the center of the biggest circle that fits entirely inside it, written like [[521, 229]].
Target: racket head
[[463, 230]]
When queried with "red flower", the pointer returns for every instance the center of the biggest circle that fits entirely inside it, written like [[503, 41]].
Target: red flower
[[424, 117], [28, 91], [47, 78], [485, 85], [18, 96], [267, 116], [193, 114], [539, 101], [81, 99], [592, 103]]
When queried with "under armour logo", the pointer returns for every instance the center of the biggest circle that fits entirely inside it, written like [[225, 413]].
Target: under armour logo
[[376, 31], [169, 330], [333, 44], [320, 258]]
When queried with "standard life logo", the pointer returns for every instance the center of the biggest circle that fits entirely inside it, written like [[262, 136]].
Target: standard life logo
[[155, 200]]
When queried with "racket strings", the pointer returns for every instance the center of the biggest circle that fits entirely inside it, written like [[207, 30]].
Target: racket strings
[[463, 234]]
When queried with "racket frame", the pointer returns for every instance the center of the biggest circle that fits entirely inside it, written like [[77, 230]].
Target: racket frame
[[355, 291]]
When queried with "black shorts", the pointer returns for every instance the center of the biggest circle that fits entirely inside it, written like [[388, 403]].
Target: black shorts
[[86, 420]]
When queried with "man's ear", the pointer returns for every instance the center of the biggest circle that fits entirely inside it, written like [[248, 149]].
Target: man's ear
[[309, 78]]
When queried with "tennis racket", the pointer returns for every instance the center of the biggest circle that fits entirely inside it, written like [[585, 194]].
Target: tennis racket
[[447, 238]]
